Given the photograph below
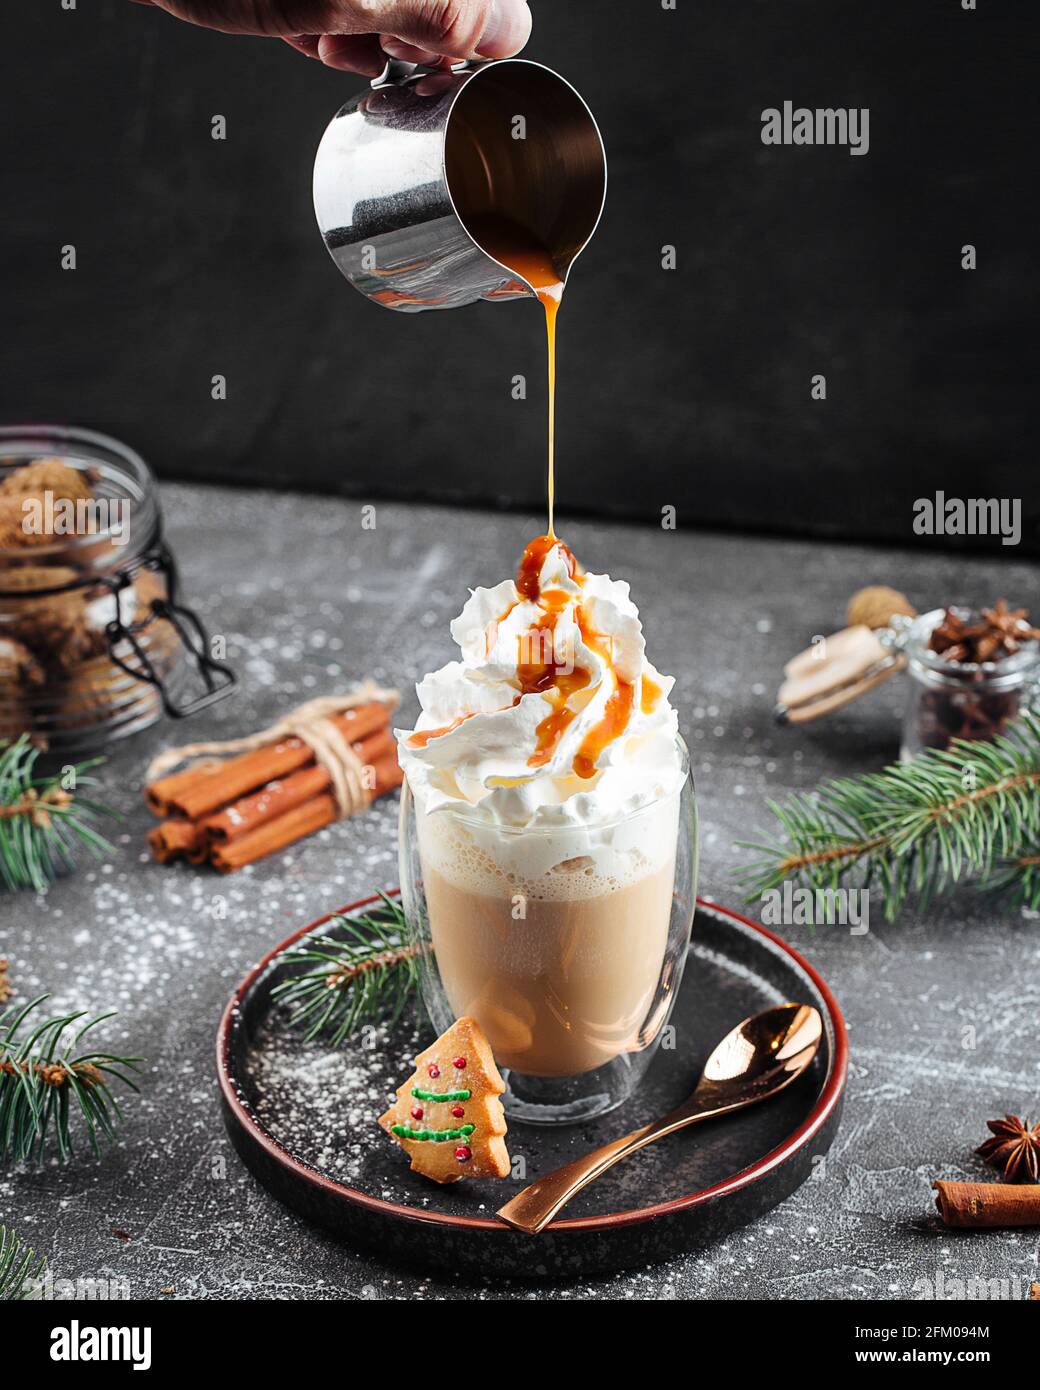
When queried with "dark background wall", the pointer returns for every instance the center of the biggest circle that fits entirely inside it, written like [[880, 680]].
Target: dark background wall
[[689, 387]]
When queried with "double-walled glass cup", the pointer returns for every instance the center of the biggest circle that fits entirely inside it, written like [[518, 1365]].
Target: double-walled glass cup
[[566, 944]]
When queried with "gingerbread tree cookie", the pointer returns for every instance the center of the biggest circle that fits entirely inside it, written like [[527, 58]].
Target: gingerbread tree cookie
[[448, 1117]]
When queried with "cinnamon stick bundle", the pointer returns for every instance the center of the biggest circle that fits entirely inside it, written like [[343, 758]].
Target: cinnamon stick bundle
[[976, 1205], [200, 792], [285, 830], [278, 796], [264, 800]]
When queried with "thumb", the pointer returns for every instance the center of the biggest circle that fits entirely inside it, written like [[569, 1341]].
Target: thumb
[[455, 28]]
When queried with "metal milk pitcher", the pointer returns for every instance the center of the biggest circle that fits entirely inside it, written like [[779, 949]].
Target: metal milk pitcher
[[409, 173]]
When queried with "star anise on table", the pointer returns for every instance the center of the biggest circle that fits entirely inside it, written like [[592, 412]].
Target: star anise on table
[[997, 633], [1014, 1147]]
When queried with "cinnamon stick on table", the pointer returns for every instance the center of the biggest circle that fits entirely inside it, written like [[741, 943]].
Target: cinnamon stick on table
[[984, 1204], [158, 794], [173, 838], [275, 835], [187, 839], [201, 791]]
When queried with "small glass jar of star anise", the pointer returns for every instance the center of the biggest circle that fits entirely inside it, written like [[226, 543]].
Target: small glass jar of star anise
[[972, 674]]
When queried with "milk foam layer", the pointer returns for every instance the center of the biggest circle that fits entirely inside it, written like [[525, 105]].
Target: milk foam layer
[[487, 735], [565, 863]]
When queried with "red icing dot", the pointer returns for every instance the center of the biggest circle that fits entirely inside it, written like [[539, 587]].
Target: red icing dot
[[459, 1063], [463, 1153], [457, 1111], [434, 1070], [416, 1112]]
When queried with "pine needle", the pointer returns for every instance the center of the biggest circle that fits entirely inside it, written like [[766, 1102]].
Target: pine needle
[[364, 977], [969, 811], [44, 820], [45, 1080], [19, 1264]]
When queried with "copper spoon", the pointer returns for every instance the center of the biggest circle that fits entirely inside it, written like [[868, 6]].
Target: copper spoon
[[757, 1059]]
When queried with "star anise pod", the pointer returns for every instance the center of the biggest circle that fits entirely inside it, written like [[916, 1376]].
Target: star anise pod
[[1014, 1147], [997, 633]]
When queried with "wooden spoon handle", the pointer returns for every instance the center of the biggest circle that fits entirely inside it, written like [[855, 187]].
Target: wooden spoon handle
[[836, 699]]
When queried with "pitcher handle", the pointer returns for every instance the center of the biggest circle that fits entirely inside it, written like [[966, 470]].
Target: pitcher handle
[[398, 71]]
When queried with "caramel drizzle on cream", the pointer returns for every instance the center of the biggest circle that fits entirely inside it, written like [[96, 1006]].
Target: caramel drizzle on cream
[[650, 695], [559, 680], [542, 671], [425, 736]]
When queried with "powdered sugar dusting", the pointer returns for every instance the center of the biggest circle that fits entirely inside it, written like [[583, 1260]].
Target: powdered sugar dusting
[[322, 1104]]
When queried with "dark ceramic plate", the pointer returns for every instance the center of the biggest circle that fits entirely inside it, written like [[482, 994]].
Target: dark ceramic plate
[[302, 1118]]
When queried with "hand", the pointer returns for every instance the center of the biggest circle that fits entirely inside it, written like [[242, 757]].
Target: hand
[[358, 35]]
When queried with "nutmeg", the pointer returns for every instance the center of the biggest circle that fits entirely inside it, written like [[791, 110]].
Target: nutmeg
[[876, 605]]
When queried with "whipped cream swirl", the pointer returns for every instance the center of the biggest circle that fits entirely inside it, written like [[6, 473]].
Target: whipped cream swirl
[[553, 715]]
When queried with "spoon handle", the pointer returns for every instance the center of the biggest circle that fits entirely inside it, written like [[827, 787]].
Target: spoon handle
[[532, 1209]]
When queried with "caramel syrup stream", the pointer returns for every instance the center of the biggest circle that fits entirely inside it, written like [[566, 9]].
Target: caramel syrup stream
[[535, 265], [551, 303], [513, 246]]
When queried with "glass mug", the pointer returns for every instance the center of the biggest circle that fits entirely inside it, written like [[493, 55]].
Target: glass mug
[[567, 944]]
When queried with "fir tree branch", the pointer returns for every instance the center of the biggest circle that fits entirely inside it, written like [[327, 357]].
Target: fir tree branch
[[1019, 877], [44, 1080], [366, 976], [19, 1264], [972, 810], [42, 822]]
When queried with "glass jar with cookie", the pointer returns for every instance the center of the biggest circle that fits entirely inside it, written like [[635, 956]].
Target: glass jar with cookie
[[94, 644]]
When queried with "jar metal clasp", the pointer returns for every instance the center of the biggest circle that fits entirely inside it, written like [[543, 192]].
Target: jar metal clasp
[[218, 678]]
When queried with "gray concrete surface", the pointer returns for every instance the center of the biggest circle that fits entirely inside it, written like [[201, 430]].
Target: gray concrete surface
[[942, 1007]]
